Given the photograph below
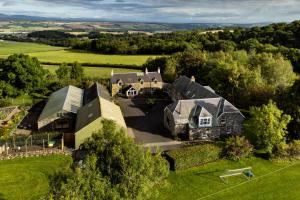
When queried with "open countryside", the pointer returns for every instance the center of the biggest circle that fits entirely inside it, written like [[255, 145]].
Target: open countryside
[[46, 53], [170, 108]]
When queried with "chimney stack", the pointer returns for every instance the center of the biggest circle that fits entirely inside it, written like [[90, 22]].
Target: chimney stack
[[158, 70], [193, 79]]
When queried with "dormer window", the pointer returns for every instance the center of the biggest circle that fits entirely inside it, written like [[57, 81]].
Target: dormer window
[[120, 83], [205, 121], [142, 81]]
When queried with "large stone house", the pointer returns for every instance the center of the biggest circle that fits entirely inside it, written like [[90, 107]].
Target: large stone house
[[199, 113], [134, 83]]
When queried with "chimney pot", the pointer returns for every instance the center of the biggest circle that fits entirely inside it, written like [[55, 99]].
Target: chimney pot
[[193, 79]]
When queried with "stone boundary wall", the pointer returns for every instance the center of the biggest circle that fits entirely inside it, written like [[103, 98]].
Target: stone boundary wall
[[36, 153]]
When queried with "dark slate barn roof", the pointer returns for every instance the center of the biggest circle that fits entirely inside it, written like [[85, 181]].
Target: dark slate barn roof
[[192, 90]]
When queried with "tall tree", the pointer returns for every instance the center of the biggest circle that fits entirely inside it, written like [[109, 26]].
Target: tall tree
[[127, 170], [63, 71], [269, 126], [77, 71], [23, 73]]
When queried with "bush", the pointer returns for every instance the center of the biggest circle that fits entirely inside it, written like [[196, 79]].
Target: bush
[[4, 103], [237, 147], [193, 156], [294, 148]]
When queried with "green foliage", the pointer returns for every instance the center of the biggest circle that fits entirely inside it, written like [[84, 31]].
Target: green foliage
[[4, 103], [288, 101], [293, 148], [253, 76], [237, 147], [116, 168], [194, 156], [84, 182], [268, 124], [63, 71], [21, 74], [76, 72]]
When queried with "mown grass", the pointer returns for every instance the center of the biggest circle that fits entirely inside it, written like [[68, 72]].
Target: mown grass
[[46, 53], [94, 72], [204, 183], [28, 178]]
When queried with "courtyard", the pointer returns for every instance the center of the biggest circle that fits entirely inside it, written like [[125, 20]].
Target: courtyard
[[145, 122]]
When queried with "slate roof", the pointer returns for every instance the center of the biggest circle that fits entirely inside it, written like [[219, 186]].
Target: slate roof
[[68, 99], [184, 110], [92, 93], [135, 77], [193, 90]]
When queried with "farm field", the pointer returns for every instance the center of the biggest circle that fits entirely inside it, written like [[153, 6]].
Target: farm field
[[7, 48], [28, 178], [70, 56], [94, 72], [272, 181], [46, 53]]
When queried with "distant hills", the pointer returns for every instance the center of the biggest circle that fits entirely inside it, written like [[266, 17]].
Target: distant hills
[[132, 26]]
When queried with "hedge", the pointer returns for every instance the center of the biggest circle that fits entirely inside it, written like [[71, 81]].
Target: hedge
[[121, 66], [193, 156]]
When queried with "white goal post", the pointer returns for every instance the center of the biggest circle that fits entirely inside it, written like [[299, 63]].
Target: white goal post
[[235, 172]]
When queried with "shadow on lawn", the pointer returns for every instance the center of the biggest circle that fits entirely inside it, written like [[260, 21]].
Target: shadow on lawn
[[2, 197], [210, 175]]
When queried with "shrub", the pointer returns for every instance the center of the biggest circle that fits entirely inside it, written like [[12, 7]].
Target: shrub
[[4, 103], [294, 148], [237, 147], [193, 156]]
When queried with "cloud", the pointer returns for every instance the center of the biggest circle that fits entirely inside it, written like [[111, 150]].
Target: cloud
[[241, 11]]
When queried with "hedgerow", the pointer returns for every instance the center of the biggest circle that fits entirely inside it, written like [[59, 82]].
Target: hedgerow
[[193, 156]]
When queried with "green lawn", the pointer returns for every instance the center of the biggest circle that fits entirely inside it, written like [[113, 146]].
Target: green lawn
[[94, 72], [8, 48], [46, 53], [28, 178], [204, 183]]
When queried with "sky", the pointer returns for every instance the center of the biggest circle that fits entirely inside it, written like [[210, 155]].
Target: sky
[[171, 11]]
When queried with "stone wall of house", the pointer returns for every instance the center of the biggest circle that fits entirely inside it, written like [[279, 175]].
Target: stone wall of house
[[138, 86], [209, 133], [115, 89], [231, 123], [169, 121]]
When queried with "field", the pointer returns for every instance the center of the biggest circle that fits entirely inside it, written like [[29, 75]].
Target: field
[[8, 48], [28, 178], [94, 72], [46, 53], [271, 182]]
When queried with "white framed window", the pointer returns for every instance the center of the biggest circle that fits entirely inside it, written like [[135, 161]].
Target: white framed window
[[205, 121]]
